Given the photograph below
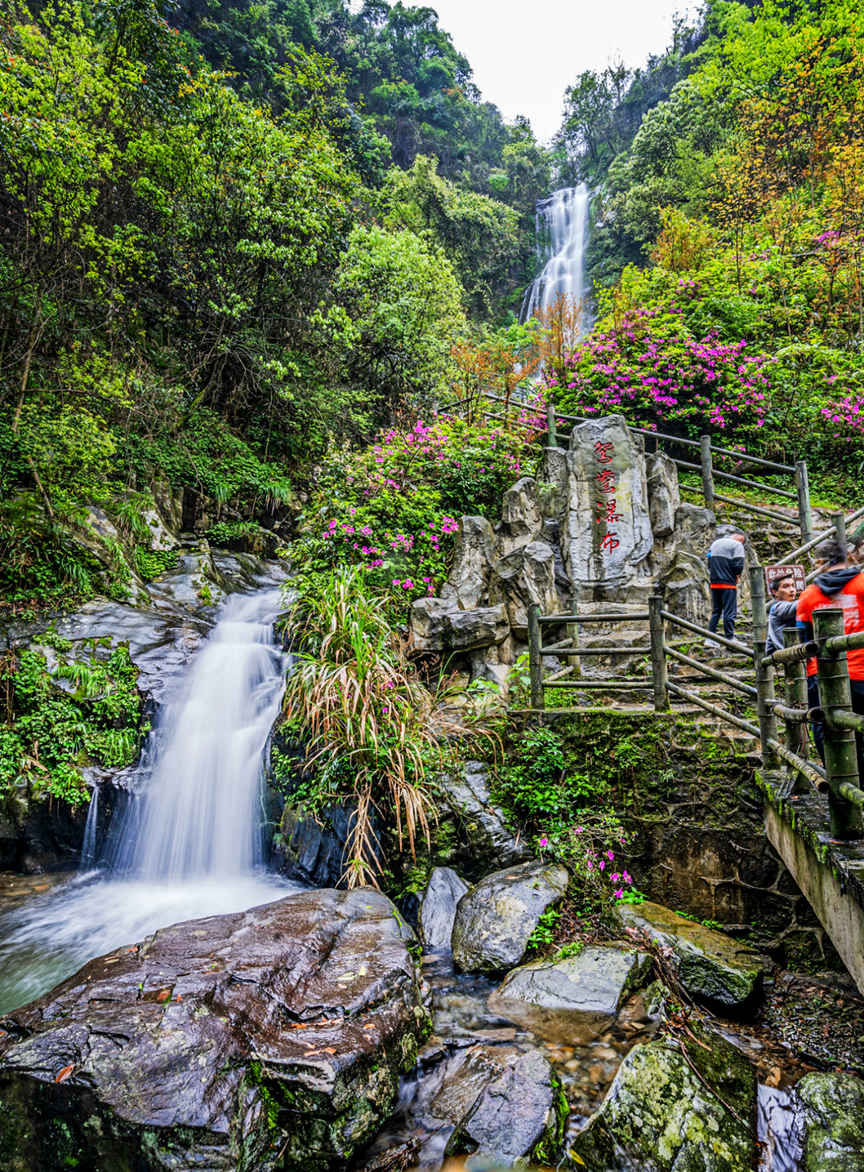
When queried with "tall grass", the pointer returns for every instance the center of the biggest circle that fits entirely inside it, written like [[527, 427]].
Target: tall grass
[[355, 699]]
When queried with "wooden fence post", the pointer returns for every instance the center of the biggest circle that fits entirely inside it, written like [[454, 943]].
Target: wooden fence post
[[802, 485], [838, 520], [658, 654], [764, 703], [841, 752], [796, 697], [535, 661], [758, 603], [573, 633], [707, 471]]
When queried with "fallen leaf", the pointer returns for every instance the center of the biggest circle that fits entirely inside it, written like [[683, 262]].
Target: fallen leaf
[[362, 971], [329, 1050], [298, 1026], [369, 1027], [65, 1072], [179, 998], [309, 1053], [163, 996]]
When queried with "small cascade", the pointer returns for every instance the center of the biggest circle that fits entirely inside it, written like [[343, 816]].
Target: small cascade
[[190, 844], [562, 225], [88, 849]]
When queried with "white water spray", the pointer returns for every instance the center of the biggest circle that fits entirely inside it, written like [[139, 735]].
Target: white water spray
[[191, 842], [562, 223]]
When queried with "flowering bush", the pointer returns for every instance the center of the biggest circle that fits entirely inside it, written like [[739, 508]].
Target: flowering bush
[[588, 849], [392, 510], [649, 367]]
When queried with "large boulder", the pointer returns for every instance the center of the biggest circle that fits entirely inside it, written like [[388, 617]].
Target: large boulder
[[595, 983], [832, 1112], [269, 1038], [496, 918], [553, 490], [519, 1116], [438, 907], [708, 964], [668, 1109], [472, 562]]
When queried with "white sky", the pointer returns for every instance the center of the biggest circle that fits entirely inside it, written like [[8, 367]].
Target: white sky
[[524, 54]]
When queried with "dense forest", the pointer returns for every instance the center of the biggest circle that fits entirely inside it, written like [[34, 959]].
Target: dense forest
[[238, 237]]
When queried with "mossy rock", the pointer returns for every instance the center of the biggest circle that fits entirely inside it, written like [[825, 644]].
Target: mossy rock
[[709, 965], [660, 1113], [833, 1114]]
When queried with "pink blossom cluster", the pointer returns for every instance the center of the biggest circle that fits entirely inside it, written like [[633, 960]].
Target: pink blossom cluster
[[655, 370], [849, 414]]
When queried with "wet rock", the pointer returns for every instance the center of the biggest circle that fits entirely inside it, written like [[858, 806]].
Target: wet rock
[[438, 907], [244, 1040], [663, 496], [521, 519], [595, 982], [833, 1122], [482, 828], [495, 919], [707, 963], [194, 585], [661, 1113], [518, 1116], [464, 1078], [472, 562]]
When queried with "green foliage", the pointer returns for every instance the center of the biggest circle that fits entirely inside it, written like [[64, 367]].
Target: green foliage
[[150, 563], [84, 712], [543, 935]]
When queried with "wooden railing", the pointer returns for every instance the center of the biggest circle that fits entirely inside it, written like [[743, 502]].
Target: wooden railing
[[838, 778]]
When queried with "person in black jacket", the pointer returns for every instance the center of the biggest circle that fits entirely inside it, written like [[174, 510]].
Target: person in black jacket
[[782, 611], [725, 567]]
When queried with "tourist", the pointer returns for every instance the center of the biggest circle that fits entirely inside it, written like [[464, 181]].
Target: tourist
[[782, 612], [725, 567], [838, 585]]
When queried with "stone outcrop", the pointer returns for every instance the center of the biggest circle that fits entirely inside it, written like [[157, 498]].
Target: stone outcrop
[[521, 519], [496, 918], [664, 499], [438, 907], [667, 1111], [472, 563], [708, 964], [524, 578], [518, 1117], [595, 983], [270, 1038]]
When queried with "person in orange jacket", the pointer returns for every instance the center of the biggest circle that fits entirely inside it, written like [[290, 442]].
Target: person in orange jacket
[[838, 585]]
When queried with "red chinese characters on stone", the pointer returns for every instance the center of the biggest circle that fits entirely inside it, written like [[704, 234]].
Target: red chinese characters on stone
[[605, 481]]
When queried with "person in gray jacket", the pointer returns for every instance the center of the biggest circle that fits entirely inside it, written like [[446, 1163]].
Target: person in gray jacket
[[781, 612]]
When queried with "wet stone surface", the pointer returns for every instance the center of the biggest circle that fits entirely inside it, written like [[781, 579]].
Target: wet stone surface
[[218, 1043]]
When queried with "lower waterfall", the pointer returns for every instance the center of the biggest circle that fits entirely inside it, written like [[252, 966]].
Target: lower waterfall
[[190, 845]]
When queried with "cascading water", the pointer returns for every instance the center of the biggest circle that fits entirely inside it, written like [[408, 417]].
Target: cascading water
[[191, 843], [562, 223]]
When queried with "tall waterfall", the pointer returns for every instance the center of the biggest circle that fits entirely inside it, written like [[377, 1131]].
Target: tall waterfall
[[562, 225], [191, 842]]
